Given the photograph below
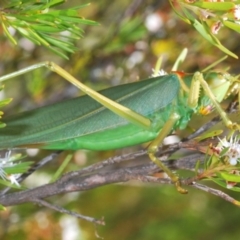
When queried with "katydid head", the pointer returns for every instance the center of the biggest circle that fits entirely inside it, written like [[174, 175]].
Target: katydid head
[[222, 85]]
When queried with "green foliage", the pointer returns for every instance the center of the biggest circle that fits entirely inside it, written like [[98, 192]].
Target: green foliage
[[3, 103], [208, 18], [131, 30], [62, 167], [166, 213], [220, 168], [38, 22], [11, 166]]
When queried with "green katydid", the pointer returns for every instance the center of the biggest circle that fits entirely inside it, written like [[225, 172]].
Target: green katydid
[[120, 116]]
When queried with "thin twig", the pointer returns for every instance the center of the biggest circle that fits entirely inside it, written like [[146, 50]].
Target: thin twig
[[38, 165], [63, 210], [216, 192]]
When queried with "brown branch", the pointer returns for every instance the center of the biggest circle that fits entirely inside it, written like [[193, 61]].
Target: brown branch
[[70, 182], [82, 181], [103, 173]]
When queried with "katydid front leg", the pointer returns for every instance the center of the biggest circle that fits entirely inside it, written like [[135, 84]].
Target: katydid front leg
[[153, 147], [198, 81]]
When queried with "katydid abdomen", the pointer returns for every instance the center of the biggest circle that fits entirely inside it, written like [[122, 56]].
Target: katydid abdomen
[[83, 123]]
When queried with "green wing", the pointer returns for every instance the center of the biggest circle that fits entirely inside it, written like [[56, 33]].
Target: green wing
[[83, 116]]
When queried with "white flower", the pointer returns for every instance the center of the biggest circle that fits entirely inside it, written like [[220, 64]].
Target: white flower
[[158, 73], [13, 179], [236, 12], [233, 149], [6, 163]]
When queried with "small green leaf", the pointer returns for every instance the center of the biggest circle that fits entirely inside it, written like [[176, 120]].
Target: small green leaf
[[2, 208], [232, 25], [5, 102], [208, 135], [197, 167], [217, 6], [210, 37], [186, 20], [224, 184], [224, 151], [235, 189], [44, 28], [2, 125], [230, 177], [220, 182], [61, 54], [54, 3], [8, 34], [181, 58], [18, 168], [64, 45], [62, 167], [202, 29], [9, 184]]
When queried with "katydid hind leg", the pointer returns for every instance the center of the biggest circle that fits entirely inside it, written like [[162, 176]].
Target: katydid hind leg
[[115, 107]]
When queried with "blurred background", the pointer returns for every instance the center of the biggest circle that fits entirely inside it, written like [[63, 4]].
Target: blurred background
[[123, 48]]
